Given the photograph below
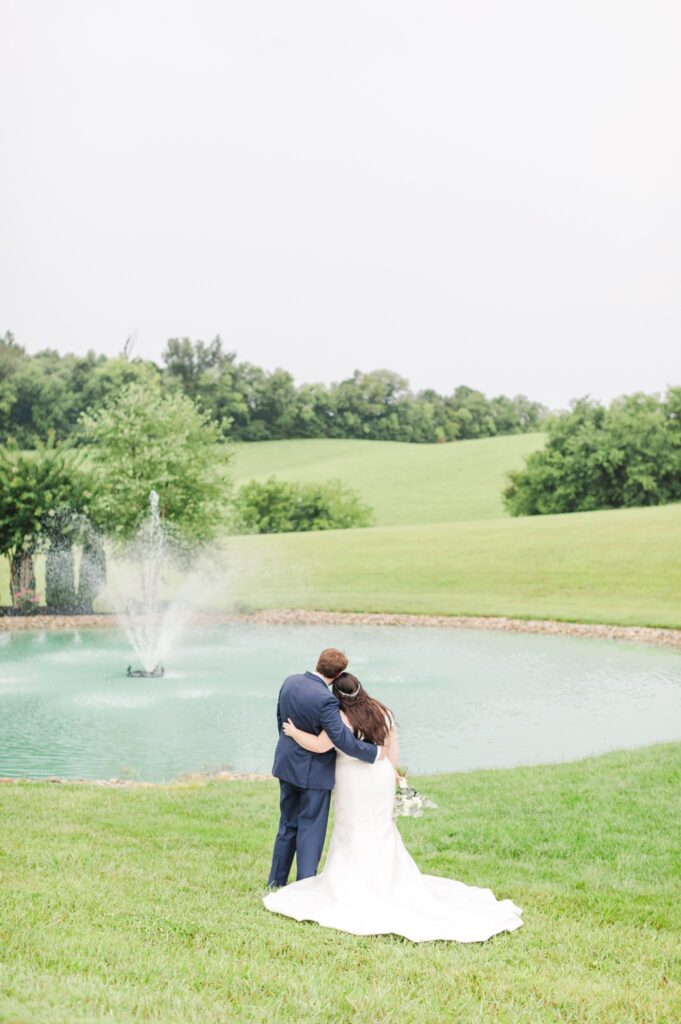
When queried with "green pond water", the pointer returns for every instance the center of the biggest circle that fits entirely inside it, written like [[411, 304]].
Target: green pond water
[[463, 698]]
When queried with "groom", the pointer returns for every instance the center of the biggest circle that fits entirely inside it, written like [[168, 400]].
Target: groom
[[306, 779]]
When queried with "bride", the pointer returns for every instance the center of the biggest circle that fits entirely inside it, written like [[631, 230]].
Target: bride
[[370, 885]]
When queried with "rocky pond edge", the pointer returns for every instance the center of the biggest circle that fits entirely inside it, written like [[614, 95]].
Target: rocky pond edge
[[662, 636]]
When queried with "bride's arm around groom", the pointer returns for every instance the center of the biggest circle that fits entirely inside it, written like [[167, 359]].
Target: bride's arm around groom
[[321, 743]]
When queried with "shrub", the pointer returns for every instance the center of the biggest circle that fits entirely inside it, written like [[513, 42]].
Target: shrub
[[278, 506], [595, 457]]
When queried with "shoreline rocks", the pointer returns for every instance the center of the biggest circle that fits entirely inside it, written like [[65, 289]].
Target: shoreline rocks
[[188, 779], [665, 637]]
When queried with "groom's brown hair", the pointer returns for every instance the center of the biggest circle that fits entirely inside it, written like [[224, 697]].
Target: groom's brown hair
[[331, 662]]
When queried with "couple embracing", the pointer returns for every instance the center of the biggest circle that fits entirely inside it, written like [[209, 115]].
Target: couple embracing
[[334, 736]]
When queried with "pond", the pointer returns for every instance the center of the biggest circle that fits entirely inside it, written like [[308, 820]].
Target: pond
[[463, 698]]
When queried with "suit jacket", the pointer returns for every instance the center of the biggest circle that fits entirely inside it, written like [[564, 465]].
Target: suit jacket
[[307, 700]]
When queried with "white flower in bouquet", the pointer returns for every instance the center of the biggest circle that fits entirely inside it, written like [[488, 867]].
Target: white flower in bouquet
[[409, 803]]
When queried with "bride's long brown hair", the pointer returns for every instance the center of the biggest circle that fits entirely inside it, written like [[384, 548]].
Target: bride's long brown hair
[[366, 715]]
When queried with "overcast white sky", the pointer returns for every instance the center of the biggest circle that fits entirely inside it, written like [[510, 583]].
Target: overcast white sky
[[482, 192]]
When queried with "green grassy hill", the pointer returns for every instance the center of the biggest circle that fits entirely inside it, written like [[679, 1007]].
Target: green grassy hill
[[618, 566], [442, 543], [403, 483]]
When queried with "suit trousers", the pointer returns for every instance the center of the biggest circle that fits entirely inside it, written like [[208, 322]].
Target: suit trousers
[[304, 814]]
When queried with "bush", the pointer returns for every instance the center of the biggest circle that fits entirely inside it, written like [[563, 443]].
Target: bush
[[277, 506], [628, 454]]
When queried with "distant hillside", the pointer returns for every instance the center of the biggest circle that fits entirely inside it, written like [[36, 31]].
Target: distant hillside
[[619, 566], [442, 543], [403, 483]]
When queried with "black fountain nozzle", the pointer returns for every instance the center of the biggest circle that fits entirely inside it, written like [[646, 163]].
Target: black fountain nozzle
[[140, 673]]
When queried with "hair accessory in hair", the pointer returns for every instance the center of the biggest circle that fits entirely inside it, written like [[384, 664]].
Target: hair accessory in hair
[[355, 694]]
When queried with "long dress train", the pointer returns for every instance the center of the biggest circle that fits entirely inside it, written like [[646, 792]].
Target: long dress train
[[370, 884]]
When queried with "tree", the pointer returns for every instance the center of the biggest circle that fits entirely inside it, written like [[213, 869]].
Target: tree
[[11, 358], [369, 405], [595, 457], [95, 381], [148, 439], [195, 365], [472, 413], [35, 490]]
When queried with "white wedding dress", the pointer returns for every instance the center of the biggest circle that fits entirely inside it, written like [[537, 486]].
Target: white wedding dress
[[371, 886]]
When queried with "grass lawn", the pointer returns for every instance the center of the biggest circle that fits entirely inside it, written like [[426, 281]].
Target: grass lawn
[[144, 904], [619, 566], [403, 483], [442, 543]]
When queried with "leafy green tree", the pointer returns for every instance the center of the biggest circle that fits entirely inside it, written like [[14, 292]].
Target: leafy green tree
[[515, 415], [45, 393], [530, 415], [472, 413], [269, 403], [146, 439], [370, 405], [96, 381], [195, 366], [11, 358], [429, 419], [313, 412], [595, 457], [45, 401], [279, 506], [34, 490]]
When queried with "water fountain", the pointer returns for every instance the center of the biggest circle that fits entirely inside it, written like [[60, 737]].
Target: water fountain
[[149, 622]]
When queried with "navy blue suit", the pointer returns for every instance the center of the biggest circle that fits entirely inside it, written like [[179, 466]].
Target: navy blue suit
[[306, 779]]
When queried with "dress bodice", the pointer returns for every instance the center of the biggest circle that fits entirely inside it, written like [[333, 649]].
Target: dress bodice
[[340, 755]]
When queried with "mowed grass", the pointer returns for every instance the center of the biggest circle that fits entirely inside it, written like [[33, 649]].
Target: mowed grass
[[403, 483], [618, 566], [445, 545], [145, 905]]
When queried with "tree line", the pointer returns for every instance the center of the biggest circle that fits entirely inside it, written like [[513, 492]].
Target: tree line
[[44, 394]]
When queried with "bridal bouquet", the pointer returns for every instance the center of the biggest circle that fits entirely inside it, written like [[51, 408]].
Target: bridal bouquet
[[409, 803]]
